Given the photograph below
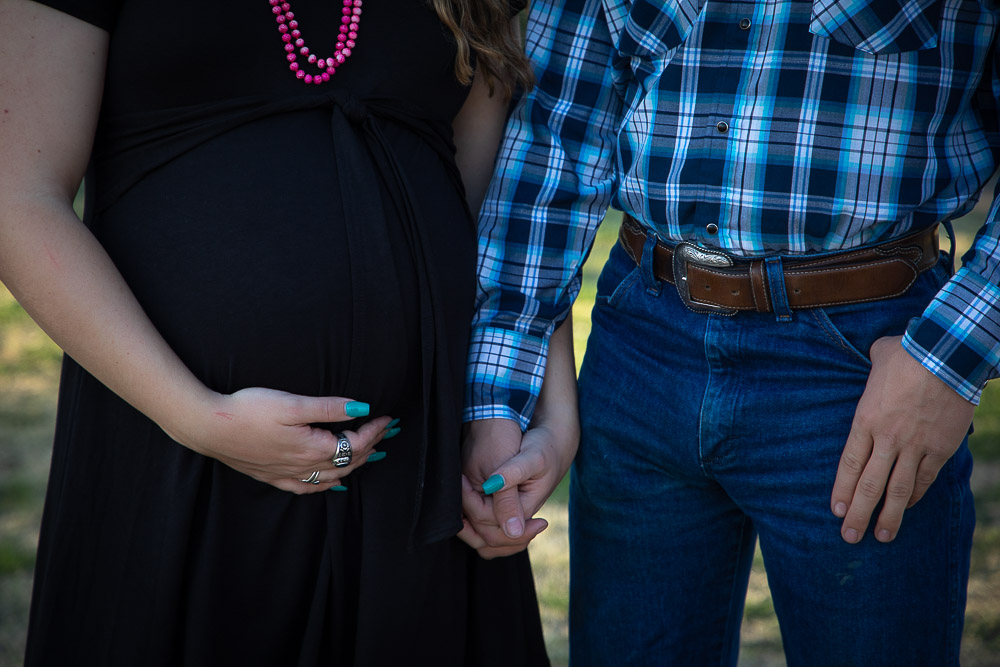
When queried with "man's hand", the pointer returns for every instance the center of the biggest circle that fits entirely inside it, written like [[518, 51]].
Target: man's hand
[[907, 425], [500, 521]]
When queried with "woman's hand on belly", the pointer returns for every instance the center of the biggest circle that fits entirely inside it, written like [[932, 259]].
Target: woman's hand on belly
[[270, 436]]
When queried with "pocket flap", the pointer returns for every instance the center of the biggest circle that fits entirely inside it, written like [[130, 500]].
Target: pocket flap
[[878, 26], [651, 29]]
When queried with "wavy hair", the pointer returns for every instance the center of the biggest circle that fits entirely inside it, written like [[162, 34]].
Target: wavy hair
[[483, 30]]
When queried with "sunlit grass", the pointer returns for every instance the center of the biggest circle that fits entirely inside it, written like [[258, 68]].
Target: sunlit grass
[[29, 366]]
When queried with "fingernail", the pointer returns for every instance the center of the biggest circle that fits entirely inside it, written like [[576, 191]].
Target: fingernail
[[513, 527], [391, 433], [840, 510], [851, 535], [376, 456], [392, 423], [493, 484], [884, 535], [338, 488], [357, 409]]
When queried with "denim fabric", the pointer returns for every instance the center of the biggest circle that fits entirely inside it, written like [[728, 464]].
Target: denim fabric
[[702, 432]]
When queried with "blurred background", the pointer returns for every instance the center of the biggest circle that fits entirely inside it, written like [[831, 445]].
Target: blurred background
[[29, 373]]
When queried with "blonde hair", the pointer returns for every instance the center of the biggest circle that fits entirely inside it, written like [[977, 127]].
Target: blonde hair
[[483, 28]]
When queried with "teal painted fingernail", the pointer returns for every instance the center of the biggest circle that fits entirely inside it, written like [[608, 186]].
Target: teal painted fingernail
[[392, 423], [357, 409], [376, 456], [338, 488], [391, 433], [493, 484]]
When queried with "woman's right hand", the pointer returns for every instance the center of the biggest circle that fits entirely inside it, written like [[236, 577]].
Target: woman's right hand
[[271, 436]]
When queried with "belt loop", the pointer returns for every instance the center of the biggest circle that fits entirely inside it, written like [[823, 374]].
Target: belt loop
[[647, 266], [776, 285]]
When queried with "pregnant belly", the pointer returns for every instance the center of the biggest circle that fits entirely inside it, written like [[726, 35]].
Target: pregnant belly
[[241, 256]]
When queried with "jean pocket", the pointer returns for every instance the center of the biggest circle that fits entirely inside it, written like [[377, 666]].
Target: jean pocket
[[619, 275], [853, 328], [878, 26]]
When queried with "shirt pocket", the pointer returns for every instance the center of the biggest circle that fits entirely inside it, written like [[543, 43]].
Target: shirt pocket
[[878, 26], [646, 34]]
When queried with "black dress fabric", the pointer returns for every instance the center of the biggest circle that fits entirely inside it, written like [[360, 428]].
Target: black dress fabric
[[312, 239]]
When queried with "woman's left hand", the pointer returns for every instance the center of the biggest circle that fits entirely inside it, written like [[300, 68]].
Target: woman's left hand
[[501, 522]]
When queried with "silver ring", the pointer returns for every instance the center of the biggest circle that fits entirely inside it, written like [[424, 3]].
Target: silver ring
[[343, 455], [312, 479]]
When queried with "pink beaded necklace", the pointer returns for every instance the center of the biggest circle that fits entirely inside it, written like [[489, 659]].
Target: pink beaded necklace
[[288, 27]]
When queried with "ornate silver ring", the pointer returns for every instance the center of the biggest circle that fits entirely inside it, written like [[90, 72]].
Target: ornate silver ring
[[343, 455]]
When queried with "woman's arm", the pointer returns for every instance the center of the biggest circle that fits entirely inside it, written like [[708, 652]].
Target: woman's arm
[[527, 467], [478, 128], [51, 81]]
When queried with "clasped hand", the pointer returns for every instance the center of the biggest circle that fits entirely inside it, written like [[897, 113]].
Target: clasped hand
[[531, 466], [907, 425]]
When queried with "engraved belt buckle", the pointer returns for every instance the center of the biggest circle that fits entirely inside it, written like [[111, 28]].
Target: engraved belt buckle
[[686, 253]]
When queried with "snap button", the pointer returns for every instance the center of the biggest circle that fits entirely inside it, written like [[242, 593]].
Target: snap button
[[722, 126], [712, 228], [744, 24]]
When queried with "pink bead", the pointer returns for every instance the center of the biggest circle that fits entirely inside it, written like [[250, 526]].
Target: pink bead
[[292, 40]]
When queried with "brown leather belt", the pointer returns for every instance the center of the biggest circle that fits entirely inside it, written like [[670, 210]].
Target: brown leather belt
[[715, 282]]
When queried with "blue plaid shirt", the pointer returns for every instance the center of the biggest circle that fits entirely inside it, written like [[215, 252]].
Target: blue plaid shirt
[[755, 127]]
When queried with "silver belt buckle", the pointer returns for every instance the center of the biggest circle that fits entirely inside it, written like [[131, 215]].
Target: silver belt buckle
[[686, 253]]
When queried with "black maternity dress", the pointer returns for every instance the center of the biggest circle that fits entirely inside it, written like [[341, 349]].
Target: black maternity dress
[[312, 239]]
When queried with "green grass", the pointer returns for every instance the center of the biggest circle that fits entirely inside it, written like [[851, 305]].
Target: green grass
[[29, 365]]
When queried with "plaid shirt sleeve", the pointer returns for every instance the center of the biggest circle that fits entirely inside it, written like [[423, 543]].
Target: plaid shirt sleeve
[[958, 336], [552, 184]]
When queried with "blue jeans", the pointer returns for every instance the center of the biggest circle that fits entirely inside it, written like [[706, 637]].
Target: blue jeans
[[704, 432]]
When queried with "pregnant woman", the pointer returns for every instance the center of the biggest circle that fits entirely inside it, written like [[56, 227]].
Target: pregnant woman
[[276, 264]]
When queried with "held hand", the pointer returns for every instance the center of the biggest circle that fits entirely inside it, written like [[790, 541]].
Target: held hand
[[269, 436], [516, 488], [907, 425]]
